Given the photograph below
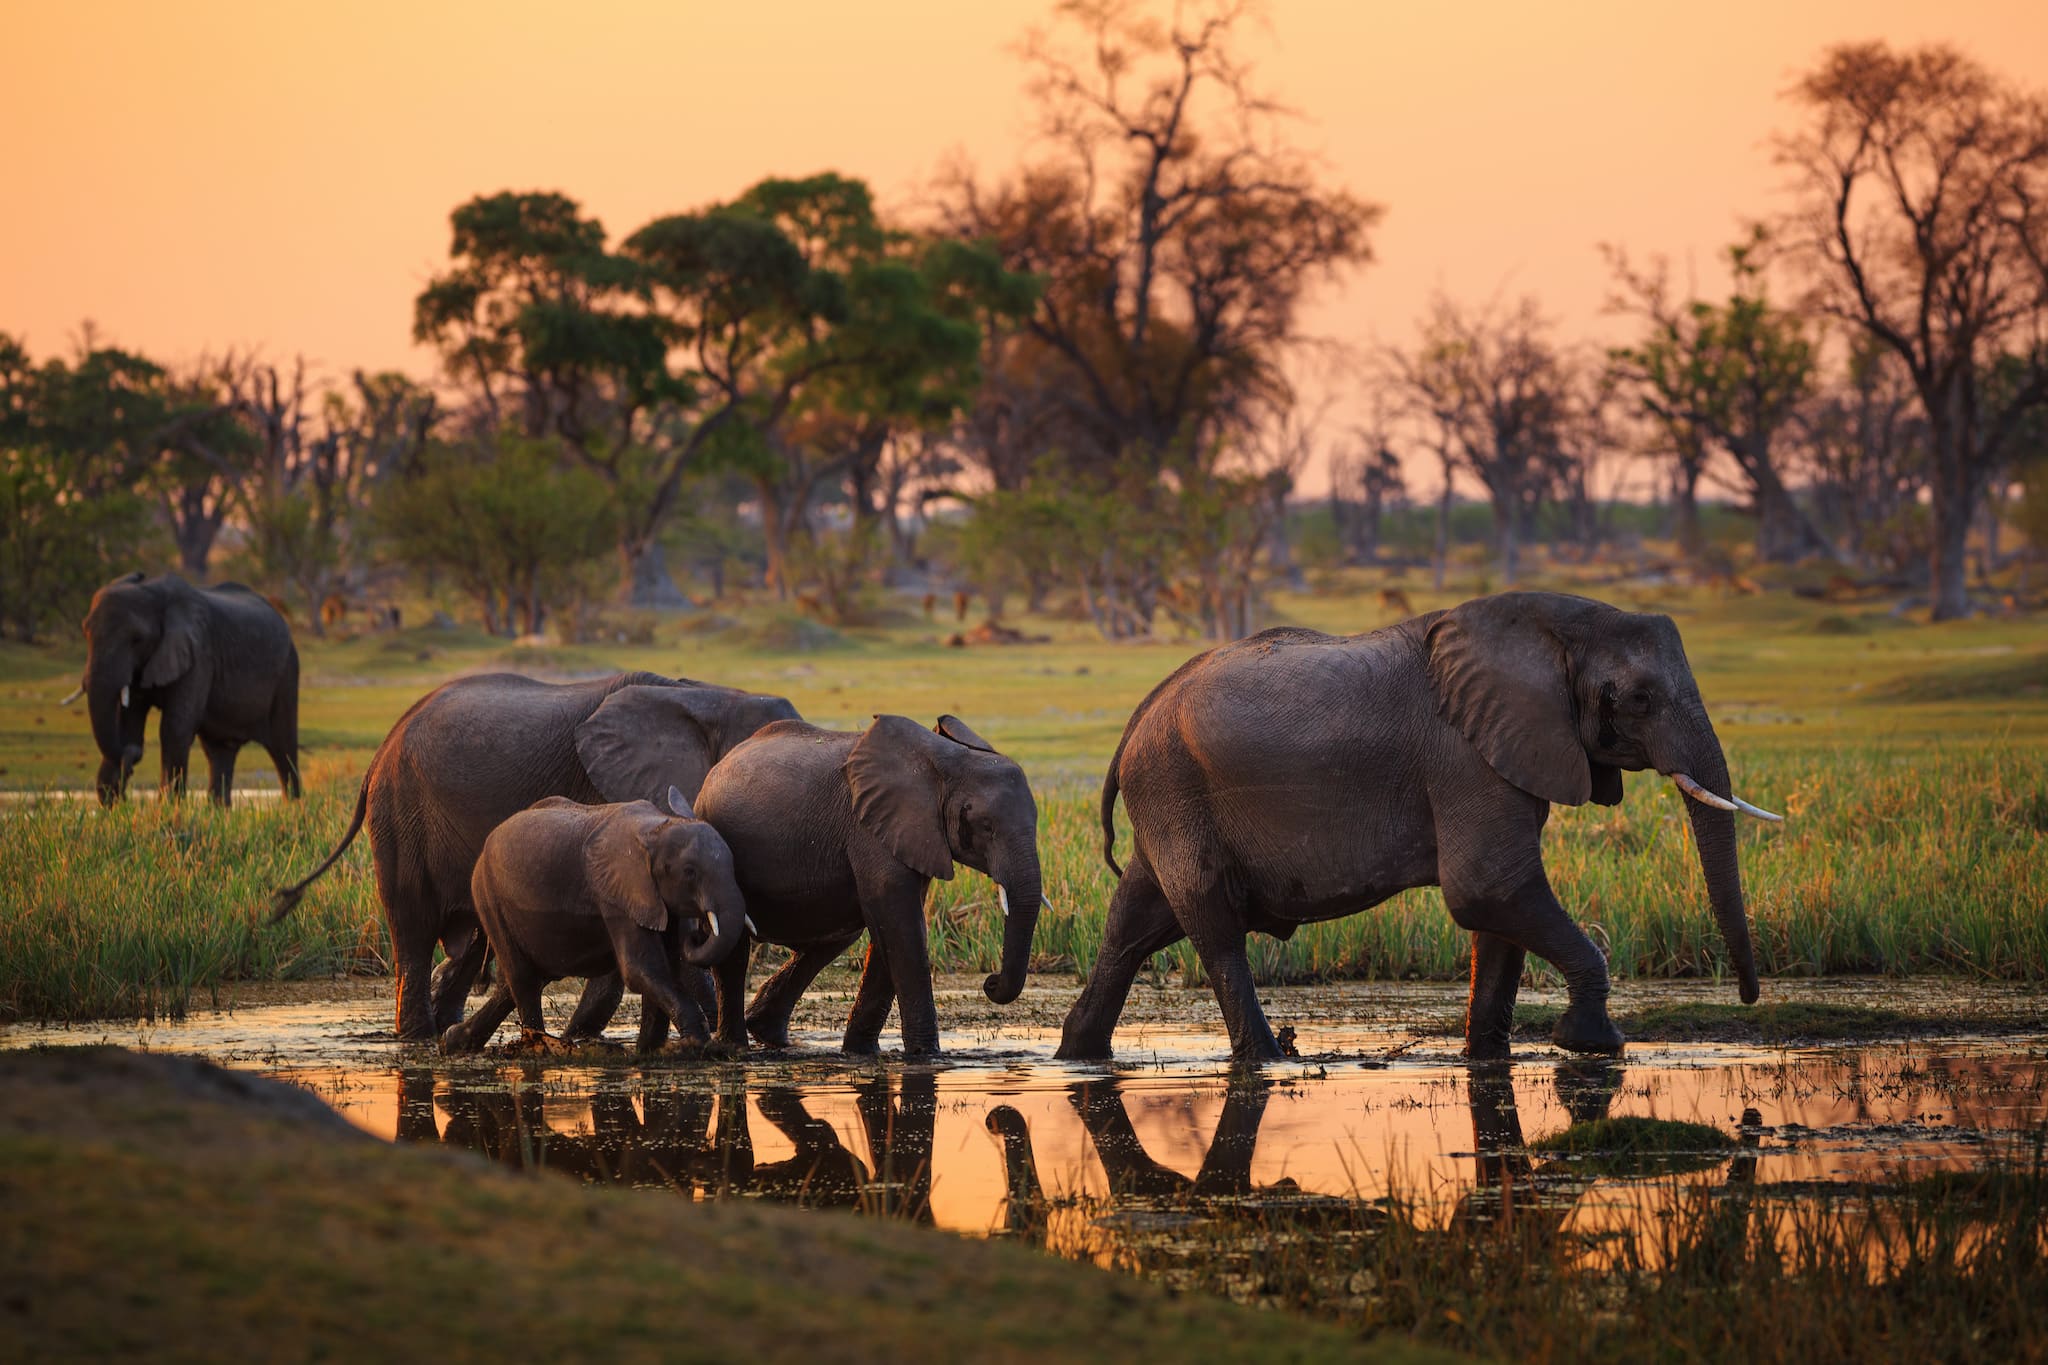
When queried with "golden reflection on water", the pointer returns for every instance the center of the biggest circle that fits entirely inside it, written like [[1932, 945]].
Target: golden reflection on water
[[1061, 1154]]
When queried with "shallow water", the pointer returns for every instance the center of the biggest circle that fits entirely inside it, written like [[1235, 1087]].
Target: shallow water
[[1000, 1137]]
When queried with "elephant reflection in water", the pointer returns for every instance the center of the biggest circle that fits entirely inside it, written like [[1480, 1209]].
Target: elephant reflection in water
[[692, 1139], [1511, 1186], [1132, 1172]]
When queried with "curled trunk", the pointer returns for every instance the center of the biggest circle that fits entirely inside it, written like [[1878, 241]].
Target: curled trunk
[[725, 928]]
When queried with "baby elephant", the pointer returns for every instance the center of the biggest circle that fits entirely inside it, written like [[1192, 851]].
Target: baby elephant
[[565, 889]]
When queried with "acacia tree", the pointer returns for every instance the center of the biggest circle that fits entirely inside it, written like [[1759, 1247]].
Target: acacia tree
[[1729, 376], [1922, 219], [1177, 233]]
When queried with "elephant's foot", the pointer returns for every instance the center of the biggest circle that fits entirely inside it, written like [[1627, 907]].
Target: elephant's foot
[[456, 1042], [861, 1046], [541, 1043], [1585, 1027], [768, 1030], [1490, 1048], [709, 1049]]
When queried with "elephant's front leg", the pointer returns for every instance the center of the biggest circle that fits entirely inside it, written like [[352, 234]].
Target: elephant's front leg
[[871, 1004], [176, 729], [220, 770], [893, 906], [1490, 1009], [1529, 917]]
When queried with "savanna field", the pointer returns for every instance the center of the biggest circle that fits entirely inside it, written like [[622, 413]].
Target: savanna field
[[1908, 758]]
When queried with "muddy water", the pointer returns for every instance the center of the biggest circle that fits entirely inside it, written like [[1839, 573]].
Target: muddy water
[[1000, 1137]]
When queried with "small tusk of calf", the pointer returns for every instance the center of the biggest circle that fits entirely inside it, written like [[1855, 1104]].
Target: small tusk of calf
[[1701, 794], [1003, 899], [72, 698], [1758, 811], [750, 927], [1045, 900], [124, 698]]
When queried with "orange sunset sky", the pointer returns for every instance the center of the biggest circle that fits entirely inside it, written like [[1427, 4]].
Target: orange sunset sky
[[218, 173]]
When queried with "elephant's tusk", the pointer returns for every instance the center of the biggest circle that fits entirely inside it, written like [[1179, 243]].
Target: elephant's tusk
[[1045, 900], [1003, 899], [750, 927], [713, 917], [1701, 794], [1758, 811], [72, 698], [124, 698]]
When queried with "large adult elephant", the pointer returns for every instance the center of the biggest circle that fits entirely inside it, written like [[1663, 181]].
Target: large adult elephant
[[473, 752], [1294, 777], [218, 663]]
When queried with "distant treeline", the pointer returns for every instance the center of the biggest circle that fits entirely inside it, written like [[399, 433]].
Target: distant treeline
[[1085, 378]]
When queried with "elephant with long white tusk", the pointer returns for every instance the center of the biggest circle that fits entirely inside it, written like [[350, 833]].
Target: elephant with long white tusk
[[1295, 777], [1707, 798]]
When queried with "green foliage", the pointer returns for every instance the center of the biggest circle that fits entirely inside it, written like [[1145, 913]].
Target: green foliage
[[57, 544], [510, 520]]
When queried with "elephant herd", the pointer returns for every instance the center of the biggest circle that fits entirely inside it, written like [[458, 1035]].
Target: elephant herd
[[637, 830]]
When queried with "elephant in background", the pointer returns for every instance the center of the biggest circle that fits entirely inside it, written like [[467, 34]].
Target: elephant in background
[[1294, 777], [571, 890], [220, 665], [474, 752], [836, 833]]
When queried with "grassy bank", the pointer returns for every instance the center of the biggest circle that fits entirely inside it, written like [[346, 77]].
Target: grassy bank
[[1910, 758], [331, 1244], [1894, 862]]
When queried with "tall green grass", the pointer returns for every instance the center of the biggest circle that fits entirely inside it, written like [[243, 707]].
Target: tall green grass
[[1892, 861]]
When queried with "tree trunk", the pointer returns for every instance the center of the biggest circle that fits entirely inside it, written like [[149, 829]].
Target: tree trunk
[[1948, 562], [1443, 531], [1685, 511], [648, 581]]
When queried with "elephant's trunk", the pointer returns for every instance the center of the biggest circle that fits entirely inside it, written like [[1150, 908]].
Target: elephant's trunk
[[725, 926], [1713, 830], [1022, 895], [106, 688]]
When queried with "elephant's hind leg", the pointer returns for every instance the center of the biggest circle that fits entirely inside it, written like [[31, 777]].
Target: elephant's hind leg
[[1140, 923], [596, 1006], [768, 1017], [462, 935], [1213, 916], [472, 1033]]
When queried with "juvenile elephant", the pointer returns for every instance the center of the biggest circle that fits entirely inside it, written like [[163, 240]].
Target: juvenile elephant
[[837, 833], [220, 665], [1294, 777], [565, 889], [471, 754]]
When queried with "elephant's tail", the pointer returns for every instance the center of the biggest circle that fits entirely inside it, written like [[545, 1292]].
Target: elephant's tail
[[288, 897], [1111, 780]]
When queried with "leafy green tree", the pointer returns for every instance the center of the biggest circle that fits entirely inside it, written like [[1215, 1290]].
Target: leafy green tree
[[512, 520]]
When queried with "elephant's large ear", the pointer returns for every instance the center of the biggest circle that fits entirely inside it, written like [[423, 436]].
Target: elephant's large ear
[[646, 739], [956, 729], [615, 863], [898, 795], [178, 649], [1500, 676]]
